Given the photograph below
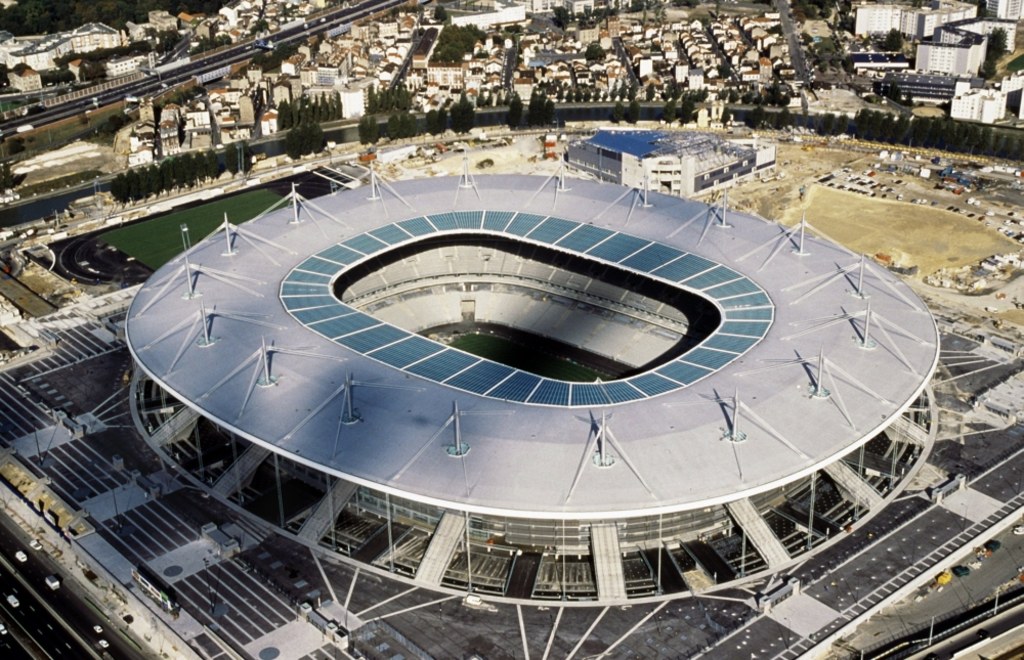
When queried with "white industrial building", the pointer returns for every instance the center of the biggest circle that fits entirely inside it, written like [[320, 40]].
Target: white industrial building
[[675, 163], [503, 14], [982, 105]]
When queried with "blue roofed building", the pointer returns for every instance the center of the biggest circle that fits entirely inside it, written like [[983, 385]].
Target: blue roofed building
[[679, 163]]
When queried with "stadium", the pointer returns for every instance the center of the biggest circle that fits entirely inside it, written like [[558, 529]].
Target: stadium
[[535, 387]]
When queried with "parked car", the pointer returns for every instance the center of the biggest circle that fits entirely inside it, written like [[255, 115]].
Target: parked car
[[961, 571]]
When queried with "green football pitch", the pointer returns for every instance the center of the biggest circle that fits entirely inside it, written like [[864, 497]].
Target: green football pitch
[[518, 356], [155, 242]]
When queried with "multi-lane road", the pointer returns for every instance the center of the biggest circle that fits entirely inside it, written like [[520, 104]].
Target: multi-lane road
[[49, 623], [169, 75]]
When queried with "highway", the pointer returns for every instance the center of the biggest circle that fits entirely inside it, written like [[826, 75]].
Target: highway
[[174, 73], [60, 627]]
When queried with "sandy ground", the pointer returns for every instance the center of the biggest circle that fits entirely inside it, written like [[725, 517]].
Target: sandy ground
[[71, 159], [523, 156], [928, 237], [912, 235], [925, 236], [801, 165], [838, 101]]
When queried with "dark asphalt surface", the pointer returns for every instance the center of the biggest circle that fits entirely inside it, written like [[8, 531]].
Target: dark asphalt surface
[[32, 620]]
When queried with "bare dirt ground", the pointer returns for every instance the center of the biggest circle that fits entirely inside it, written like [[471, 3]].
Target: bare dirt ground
[[913, 235], [801, 165], [925, 236], [71, 159], [523, 156]]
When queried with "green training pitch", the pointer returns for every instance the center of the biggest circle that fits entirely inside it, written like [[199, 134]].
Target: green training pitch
[[1016, 64], [155, 242], [522, 357]]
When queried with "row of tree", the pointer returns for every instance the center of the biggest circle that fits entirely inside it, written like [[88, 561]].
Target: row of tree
[[387, 100], [930, 132], [306, 138], [322, 108], [940, 133], [182, 171]]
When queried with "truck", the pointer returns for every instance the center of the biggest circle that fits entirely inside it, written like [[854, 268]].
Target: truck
[[53, 582]]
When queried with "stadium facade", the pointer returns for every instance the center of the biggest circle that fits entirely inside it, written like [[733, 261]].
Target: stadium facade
[[761, 391]]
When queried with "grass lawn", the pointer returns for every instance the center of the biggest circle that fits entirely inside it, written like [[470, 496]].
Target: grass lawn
[[518, 356], [1016, 64], [155, 242]]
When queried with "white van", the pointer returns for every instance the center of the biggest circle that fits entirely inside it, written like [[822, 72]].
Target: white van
[[53, 582]]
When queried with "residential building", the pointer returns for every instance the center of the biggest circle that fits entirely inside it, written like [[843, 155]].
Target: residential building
[[26, 81], [982, 105], [915, 23], [1008, 9], [124, 65]]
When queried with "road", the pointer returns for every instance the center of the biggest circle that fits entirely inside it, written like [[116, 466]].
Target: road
[[175, 73], [796, 50], [32, 618]]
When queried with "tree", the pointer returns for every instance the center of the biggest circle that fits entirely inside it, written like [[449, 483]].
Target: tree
[[535, 111], [996, 43], [394, 126], [462, 114], [668, 113], [561, 16], [594, 52], [440, 13], [995, 49], [618, 112], [6, 176], [633, 112], [454, 42], [515, 111], [756, 116], [369, 131], [549, 112], [893, 41], [687, 108], [237, 157], [433, 126]]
